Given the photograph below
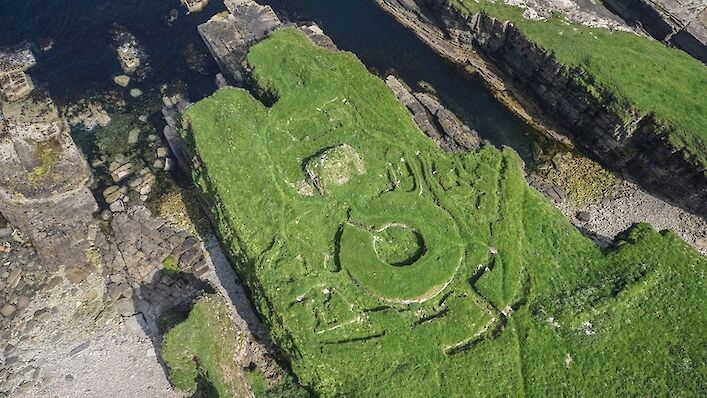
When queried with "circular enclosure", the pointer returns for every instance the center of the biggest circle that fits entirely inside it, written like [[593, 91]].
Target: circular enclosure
[[398, 245]]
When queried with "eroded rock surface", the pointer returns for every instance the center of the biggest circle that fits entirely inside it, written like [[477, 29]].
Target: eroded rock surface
[[44, 182], [15, 84], [230, 35], [450, 133], [549, 97], [681, 23]]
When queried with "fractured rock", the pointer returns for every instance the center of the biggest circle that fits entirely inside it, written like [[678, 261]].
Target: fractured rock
[[436, 121], [125, 306], [117, 206], [230, 35]]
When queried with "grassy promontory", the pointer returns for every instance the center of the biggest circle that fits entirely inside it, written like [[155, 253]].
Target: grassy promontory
[[386, 267], [642, 74]]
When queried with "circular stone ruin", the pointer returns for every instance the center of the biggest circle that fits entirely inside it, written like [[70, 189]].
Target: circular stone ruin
[[398, 245]]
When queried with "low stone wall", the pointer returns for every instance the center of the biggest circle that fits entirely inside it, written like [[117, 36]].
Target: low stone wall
[[542, 89]]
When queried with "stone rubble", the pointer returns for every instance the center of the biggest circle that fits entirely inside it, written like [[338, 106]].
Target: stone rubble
[[584, 12], [38, 302], [15, 84]]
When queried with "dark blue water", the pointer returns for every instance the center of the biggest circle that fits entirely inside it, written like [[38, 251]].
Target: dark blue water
[[385, 46], [83, 58]]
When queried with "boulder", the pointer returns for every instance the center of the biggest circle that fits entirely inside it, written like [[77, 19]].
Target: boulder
[[122, 80], [133, 136], [583, 216], [117, 206], [8, 310], [162, 152], [125, 306]]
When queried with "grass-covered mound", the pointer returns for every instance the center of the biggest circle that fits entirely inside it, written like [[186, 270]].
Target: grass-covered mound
[[200, 351], [490, 291], [643, 74]]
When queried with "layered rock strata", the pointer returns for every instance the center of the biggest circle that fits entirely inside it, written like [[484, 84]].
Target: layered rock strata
[[680, 23], [229, 35], [44, 181], [551, 97], [441, 125]]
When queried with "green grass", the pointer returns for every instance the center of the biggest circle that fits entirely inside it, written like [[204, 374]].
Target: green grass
[[200, 354], [200, 351], [171, 265], [508, 299], [643, 74], [398, 244]]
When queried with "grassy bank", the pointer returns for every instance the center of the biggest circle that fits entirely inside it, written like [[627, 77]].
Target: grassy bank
[[200, 351], [387, 267], [641, 73]]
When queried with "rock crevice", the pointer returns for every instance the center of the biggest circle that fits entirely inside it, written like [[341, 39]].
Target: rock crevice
[[553, 98]]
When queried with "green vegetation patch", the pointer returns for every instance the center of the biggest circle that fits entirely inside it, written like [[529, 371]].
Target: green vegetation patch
[[506, 298], [641, 73], [200, 351], [333, 167], [47, 152], [398, 244], [171, 265], [414, 268]]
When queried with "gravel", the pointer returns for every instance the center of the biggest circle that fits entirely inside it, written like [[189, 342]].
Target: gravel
[[628, 204]]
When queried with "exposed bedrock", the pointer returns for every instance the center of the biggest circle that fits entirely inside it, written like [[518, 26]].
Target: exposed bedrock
[[229, 35], [435, 120], [551, 97], [44, 181], [680, 23]]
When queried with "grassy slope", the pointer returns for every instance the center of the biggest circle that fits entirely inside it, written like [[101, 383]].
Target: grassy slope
[[201, 350], [644, 73], [644, 301]]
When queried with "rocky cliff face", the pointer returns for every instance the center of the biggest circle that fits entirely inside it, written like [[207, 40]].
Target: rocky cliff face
[[680, 23], [542, 89]]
